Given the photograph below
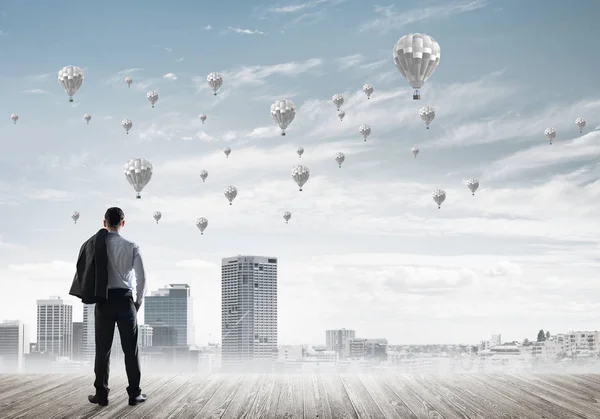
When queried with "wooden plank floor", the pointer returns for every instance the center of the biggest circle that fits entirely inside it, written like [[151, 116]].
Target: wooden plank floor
[[323, 396]]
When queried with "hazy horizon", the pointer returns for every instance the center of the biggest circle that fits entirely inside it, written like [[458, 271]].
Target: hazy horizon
[[366, 247]]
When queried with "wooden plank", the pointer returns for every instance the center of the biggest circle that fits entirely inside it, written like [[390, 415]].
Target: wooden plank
[[119, 405], [528, 402], [298, 396], [339, 402], [31, 388], [567, 385], [290, 404], [592, 390], [218, 403], [413, 400], [387, 401], [308, 397], [159, 397], [67, 406], [43, 399], [558, 398], [361, 399], [323, 407], [489, 400], [194, 383], [268, 392], [243, 400], [195, 398]]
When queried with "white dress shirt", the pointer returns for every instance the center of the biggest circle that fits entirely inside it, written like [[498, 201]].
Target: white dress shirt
[[124, 264]]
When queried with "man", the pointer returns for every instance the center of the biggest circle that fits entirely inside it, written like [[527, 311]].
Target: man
[[123, 264]]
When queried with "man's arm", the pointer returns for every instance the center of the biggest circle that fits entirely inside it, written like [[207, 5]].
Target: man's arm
[[140, 276]]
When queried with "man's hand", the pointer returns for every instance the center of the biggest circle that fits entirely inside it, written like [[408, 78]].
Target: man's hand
[[137, 307]]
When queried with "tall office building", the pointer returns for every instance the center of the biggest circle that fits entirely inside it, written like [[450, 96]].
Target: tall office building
[[14, 344], [78, 341], [172, 306], [89, 330], [55, 327], [248, 311], [145, 334], [337, 340]]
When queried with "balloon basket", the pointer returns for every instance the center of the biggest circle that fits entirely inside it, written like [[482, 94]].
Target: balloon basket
[[71, 100], [282, 134], [300, 189], [138, 196], [230, 203]]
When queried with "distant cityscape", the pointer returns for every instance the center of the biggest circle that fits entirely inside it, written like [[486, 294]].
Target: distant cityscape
[[249, 340]]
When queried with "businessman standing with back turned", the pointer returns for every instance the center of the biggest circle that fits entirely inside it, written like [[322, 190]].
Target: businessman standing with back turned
[[106, 267]]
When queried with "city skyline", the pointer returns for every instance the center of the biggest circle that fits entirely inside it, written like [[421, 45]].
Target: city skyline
[[366, 248]]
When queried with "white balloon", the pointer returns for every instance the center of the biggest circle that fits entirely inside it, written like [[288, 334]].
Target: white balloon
[[416, 57], [71, 79]]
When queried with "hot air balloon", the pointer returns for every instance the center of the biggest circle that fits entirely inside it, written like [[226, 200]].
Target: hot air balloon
[[75, 217], [365, 131], [368, 89], [14, 117], [157, 216], [128, 80], [227, 152], [439, 196], [203, 175], [283, 112], [580, 122], [127, 124], [286, 216], [300, 152], [230, 193], [427, 114], [203, 118], [473, 185], [550, 134], [339, 159], [416, 57], [202, 223], [71, 79], [138, 173], [215, 81], [338, 101], [415, 151], [152, 97], [300, 174], [87, 117]]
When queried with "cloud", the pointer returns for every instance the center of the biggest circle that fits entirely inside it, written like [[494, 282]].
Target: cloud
[[140, 83], [389, 19], [57, 270], [246, 31], [35, 92], [357, 62], [207, 28], [69, 162], [179, 60], [301, 7], [170, 76], [56, 195], [4, 245], [41, 77]]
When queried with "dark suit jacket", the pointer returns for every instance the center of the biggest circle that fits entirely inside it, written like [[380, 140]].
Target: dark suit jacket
[[91, 279]]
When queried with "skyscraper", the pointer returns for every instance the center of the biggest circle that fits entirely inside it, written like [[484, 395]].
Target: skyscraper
[[55, 327], [14, 343], [248, 311], [337, 340], [77, 341], [89, 330], [172, 306]]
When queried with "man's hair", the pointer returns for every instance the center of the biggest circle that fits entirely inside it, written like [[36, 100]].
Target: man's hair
[[114, 216]]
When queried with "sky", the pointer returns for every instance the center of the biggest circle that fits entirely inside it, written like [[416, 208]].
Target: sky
[[366, 247]]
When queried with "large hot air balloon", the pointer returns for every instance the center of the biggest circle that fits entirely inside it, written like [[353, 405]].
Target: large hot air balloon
[[416, 57], [473, 185], [427, 114], [339, 159], [415, 151], [580, 122], [338, 101], [71, 79], [157, 216], [300, 174], [439, 196], [368, 89], [300, 152], [341, 114], [215, 81], [230, 193], [203, 118], [14, 117], [203, 175], [75, 216], [138, 173], [283, 112], [365, 131], [227, 152], [87, 118], [550, 134], [127, 124], [128, 80], [286, 216], [152, 97], [202, 223]]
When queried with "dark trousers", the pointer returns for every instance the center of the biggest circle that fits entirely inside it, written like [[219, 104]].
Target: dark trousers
[[119, 309]]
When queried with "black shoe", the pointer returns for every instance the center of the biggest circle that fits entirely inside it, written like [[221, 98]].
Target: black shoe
[[101, 401], [138, 399]]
